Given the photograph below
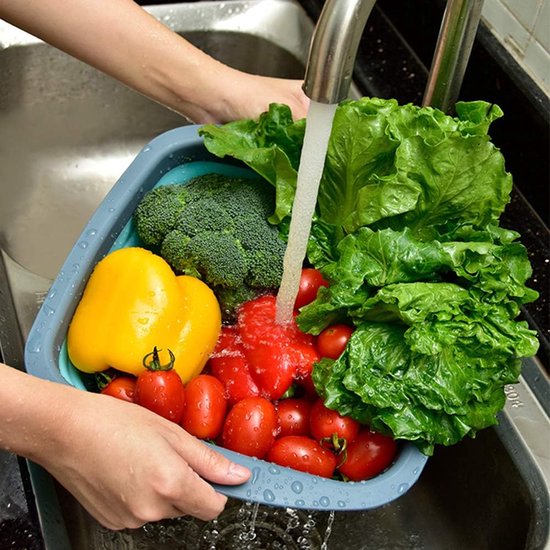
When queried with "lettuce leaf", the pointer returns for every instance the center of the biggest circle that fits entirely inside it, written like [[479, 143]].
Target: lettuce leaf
[[387, 164], [406, 230], [435, 330]]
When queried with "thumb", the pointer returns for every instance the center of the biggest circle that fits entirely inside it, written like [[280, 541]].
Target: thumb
[[211, 465]]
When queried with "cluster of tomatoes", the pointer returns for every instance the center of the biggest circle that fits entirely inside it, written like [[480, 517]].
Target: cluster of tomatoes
[[256, 396]]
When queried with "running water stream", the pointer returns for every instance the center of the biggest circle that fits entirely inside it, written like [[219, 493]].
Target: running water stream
[[312, 161]]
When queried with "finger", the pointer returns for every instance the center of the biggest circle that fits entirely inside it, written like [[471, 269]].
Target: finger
[[211, 465], [198, 499]]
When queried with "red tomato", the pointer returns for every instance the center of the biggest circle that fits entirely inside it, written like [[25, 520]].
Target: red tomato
[[250, 427], [121, 387], [302, 453], [325, 423], [333, 340], [272, 368], [277, 354], [161, 390], [205, 407], [293, 416], [229, 342], [230, 366], [304, 355], [310, 282], [369, 454], [256, 324], [234, 373]]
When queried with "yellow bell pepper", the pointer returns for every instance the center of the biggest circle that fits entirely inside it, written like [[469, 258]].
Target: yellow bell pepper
[[134, 302]]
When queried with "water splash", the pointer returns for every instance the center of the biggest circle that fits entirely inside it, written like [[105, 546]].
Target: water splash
[[328, 530]]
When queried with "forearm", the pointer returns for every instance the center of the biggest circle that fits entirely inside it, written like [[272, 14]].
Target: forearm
[[121, 39], [32, 413]]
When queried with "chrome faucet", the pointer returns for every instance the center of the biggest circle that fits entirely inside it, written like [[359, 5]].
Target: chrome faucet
[[333, 50], [452, 52], [335, 41]]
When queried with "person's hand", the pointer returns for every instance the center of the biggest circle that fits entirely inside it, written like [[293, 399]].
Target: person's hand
[[259, 91], [128, 466], [236, 95]]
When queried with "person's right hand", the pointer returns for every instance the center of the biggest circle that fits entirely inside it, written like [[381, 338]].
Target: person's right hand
[[128, 466]]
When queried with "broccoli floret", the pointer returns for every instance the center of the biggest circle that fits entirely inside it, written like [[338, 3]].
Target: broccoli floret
[[214, 256], [218, 230], [204, 215], [258, 197], [174, 251], [219, 257], [265, 264], [231, 298], [158, 212], [208, 186]]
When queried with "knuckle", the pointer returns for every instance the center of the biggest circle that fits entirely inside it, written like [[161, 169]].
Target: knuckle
[[166, 488], [210, 509], [214, 460], [145, 514]]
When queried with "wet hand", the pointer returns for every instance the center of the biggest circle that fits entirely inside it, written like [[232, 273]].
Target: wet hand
[[128, 466]]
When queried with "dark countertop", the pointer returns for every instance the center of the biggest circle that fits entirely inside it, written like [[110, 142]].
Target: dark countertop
[[395, 50]]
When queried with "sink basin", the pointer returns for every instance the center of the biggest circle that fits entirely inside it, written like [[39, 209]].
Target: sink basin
[[67, 134]]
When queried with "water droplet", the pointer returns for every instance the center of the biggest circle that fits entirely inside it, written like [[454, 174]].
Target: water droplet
[[274, 470], [297, 487], [341, 504], [82, 244], [255, 475], [34, 345], [402, 488], [299, 503], [324, 501], [269, 496]]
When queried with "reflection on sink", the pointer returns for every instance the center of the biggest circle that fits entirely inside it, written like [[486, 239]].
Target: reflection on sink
[[67, 134]]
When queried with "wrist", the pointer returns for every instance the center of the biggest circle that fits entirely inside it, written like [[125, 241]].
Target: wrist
[[193, 84], [33, 414]]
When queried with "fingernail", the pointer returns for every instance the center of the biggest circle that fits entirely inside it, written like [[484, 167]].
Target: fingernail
[[239, 472]]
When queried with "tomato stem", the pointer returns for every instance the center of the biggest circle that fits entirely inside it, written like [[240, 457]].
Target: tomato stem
[[339, 445], [152, 361], [103, 379]]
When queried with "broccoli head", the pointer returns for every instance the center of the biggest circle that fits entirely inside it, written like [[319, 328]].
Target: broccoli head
[[265, 264], [216, 227]]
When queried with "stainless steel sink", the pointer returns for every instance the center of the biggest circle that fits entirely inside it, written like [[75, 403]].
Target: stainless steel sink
[[67, 133]]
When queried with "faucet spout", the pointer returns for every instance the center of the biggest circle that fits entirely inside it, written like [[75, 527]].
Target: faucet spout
[[334, 48]]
